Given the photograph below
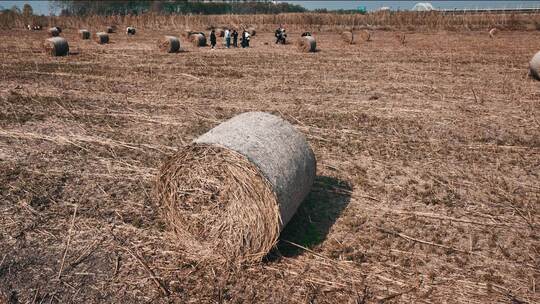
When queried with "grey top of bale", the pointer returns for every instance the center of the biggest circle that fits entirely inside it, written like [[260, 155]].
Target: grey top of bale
[[281, 153], [57, 39]]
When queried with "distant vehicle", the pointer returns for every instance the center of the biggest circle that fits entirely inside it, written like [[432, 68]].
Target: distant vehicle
[[384, 9], [423, 7]]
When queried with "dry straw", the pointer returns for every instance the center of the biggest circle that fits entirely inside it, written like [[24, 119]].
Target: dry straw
[[53, 32], [84, 34], [198, 39], [229, 193], [102, 38], [169, 44], [56, 46], [307, 44], [534, 66], [348, 37]]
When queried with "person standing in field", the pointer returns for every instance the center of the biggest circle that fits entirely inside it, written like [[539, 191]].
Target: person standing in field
[[245, 39], [213, 39], [227, 38], [235, 38]]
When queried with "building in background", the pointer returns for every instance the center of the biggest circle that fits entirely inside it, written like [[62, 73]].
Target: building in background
[[423, 7]]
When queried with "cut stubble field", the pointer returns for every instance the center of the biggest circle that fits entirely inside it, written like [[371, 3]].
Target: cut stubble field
[[428, 154]]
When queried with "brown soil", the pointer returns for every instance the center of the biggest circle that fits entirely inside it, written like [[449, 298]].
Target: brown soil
[[428, 156]]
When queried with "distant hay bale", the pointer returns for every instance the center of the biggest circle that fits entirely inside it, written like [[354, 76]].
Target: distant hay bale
[[220, 32], [187, 34], [198, 39], [401, 38], [347, 37], [364, 35], [251, 31], [110, 29], [56, 46], [229, 194], [84, 34], [169, 44], [534, 66], [493, 32], [130, 30], [307, 44], [102, 38], [53, 32]]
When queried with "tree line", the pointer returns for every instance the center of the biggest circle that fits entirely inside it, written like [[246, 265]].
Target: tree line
[[133, 7]]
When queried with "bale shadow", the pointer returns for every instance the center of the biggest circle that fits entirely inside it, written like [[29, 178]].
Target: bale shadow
[[314, 218]]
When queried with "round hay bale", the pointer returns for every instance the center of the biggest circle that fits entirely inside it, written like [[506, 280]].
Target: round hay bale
[[307, 44], [493, 32], [84, 34], [56, 46], [534, 66], [187, 34], [348, 37], [102, 38], [198, 39], [130, 30], [53, 32], [110, 29], [251, 31], [228, 194], [169, 44], [364, 35], [220, 32]]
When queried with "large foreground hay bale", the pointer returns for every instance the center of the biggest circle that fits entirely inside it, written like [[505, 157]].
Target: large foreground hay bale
[[102, 38], [84, 34], [169, 44], [348, 37], [53, 32], [534, 66], [56, 46], [198, 39], [230, 193], [307, 44]]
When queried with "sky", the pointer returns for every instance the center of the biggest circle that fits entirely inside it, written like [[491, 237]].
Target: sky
[[42, 7], [407, 5]]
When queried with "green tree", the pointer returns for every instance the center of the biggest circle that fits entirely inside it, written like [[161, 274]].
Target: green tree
[[27, 11]]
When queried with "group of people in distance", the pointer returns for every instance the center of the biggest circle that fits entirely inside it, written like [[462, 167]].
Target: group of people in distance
[[281, 35], [229, 36]]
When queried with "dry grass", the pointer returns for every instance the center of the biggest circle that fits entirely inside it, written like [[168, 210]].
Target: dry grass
[[313, 22], [428, 161]]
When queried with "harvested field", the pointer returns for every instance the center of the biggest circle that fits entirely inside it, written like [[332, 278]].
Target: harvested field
[[428, 168]]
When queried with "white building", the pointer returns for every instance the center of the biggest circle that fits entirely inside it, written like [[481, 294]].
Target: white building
[[423, 7]]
